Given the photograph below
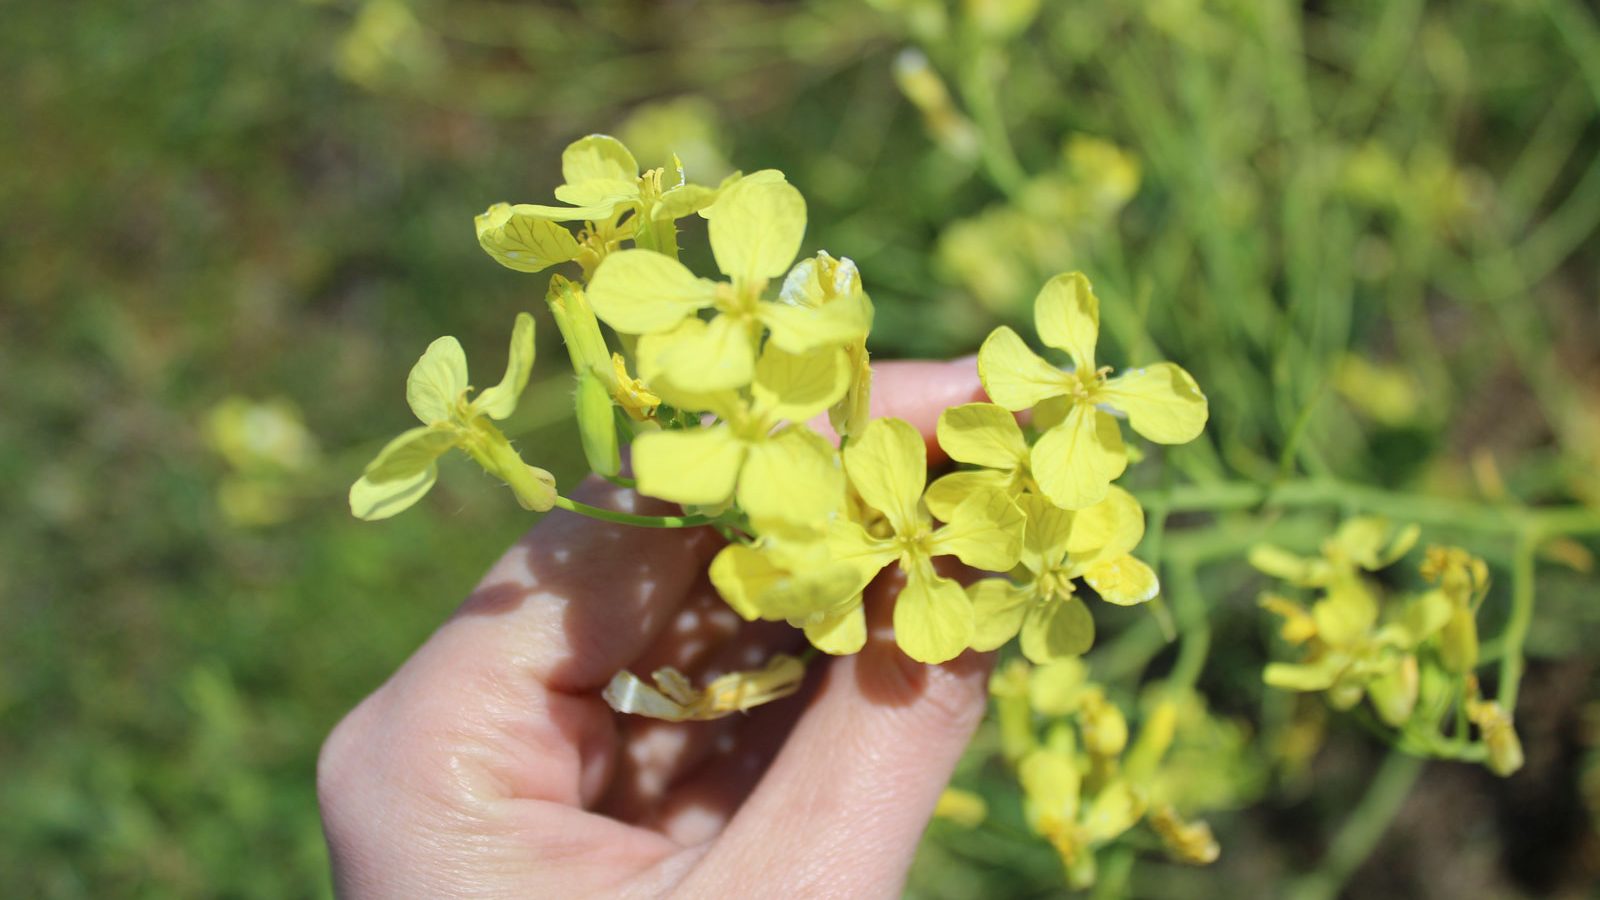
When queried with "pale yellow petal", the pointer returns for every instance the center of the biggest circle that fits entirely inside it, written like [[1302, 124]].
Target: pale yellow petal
[[644, 292], [525, 238], [500, 400], [947, 492], [1059, 628], [437, 381], [998, 607], [1123, 580], [1108, 529], [1067, 314], [698, 357], [1162, 402], [933, 619], [754, 583], [793, 475], [1075, 462], [984, 532], [410, 454], [373, 500], [983, 434], [696, 466], [756, 229], [798, 329], [797, 387], [611, 195], [1013, 375], [839, 632], [888, 466], [598, 157], [1048, 531]]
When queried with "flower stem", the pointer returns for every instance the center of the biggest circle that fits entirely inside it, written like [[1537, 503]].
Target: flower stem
[[622, 518], [1361, 832]]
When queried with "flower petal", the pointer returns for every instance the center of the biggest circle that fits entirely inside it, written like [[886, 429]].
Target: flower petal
[[985, 532], [801, 328], [983, 434], [696, 466], [756, 228], [946, 493], [437, 381], [1123, 580], [1108, 529], [411, 453], [933, 619], [1014, 376], [1059, 628], [1162, 402], [1045, 540], [839, 632], [500, 401], [795, 387], [644, 292], [1067, 314], [698, 357], [598, 157], [755, 583], [794, 476], [888, 466], [373, 500], [525, 238], [998, 607], [1075, 462]]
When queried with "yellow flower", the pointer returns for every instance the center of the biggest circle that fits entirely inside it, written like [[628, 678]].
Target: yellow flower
[[756, 227], [675, 700], [602, 182], [788, 575], [1081, 449], [933, 621], [1059, 546], [1052, 788], [984, 435], [835, 284], [788, 474], [437, 392]]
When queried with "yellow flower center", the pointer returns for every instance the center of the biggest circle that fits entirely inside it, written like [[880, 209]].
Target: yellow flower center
[[1083, 386], [1055, 582]]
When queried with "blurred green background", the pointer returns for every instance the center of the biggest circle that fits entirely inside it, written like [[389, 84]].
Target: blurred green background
[[1368, 228]]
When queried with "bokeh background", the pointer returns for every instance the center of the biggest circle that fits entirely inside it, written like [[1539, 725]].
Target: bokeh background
[[1368, 227]]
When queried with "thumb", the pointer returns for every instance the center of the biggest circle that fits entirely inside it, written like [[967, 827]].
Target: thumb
[[844, 804]]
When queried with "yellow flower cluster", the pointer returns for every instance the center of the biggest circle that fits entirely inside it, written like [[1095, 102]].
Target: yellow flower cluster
[[1088, 779], [720, 385], [1412, 658]]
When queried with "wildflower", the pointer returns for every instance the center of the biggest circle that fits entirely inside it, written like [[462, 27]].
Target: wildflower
[[1081, 450], [674, 699], [984, 435], [437, 392], [602, 182], [789, 474], [823, 281], [1059, 546], [756, 227], [1494, 724], [1053, 801], [933, 617]]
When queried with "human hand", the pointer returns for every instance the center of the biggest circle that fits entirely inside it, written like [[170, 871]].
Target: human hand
[[489, 765]]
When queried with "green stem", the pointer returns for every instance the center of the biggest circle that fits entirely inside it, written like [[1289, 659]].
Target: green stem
[[1362, 830], [1240, 495], [1194, 627], [622, 518], [1516, 632]]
